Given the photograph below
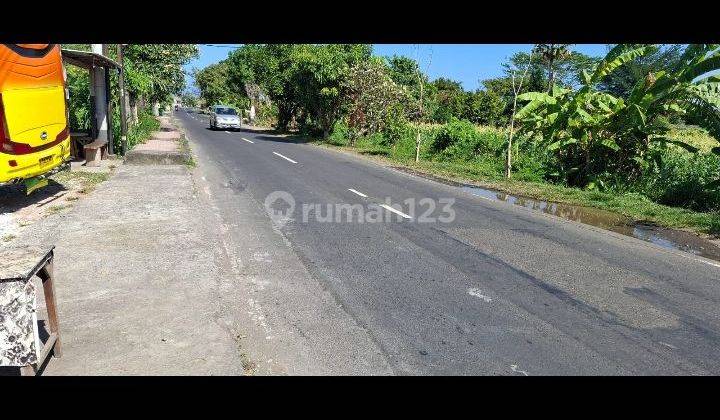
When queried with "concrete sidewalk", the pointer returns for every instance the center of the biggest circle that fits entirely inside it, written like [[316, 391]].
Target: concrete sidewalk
[[137, 280], [163, 147]]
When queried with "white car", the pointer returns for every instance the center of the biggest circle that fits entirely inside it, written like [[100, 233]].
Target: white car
[[222, 116]]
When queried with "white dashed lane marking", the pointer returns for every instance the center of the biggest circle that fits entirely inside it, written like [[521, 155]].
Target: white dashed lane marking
[[357, 192], [285, 157], [398, 212]]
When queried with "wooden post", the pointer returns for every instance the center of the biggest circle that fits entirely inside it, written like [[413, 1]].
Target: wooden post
[[46, 274], [19, 267], [27, 370]]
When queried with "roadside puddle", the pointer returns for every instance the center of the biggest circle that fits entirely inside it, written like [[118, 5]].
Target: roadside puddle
[[667, 238]]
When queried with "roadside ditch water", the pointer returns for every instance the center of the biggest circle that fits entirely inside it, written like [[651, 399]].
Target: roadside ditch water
[[665, 237]]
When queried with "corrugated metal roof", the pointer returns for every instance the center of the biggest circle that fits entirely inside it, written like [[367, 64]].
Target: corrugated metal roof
[[86, 59]]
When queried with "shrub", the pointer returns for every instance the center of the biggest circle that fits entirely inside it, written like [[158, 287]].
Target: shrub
[[681, 179], [396, 126], [266, 114], [138, 133], [461, 140], [340, 134]]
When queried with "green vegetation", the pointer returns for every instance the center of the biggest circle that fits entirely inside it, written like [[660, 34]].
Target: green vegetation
[[528, 182], [185, 147], [57, 208], [138, 132], [596, 137], [84, 182], [634, 132]]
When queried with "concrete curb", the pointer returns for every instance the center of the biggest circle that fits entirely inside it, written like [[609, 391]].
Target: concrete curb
[[148, 157], [155, 150]]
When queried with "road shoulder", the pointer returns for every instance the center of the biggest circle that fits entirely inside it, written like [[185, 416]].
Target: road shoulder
[[286, 319]]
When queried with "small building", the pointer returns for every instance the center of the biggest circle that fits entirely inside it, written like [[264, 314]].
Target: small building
[[100, 132]]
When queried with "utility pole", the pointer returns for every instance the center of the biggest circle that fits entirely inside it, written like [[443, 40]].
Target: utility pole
[[123, 110], [100, 97]]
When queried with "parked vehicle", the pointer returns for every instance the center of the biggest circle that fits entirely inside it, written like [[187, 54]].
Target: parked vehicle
[[34, 128], [222, 116]]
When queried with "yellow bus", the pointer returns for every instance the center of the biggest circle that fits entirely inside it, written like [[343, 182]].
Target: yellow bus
[[34, 126]]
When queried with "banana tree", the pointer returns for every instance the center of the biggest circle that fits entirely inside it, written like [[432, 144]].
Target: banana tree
[[594, 132], [688, 88]]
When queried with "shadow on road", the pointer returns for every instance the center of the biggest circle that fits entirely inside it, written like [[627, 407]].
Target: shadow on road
[[13, 197], [286, 139]]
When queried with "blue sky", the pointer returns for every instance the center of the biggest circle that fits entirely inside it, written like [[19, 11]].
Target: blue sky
[[466, 63]]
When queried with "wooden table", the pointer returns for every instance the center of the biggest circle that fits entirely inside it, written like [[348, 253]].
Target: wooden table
[[19, 331]]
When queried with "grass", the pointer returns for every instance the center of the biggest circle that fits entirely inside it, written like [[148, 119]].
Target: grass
[[139, 133], [86, 181], [634, 206], [694, 136], [185, 147], [57, 208]]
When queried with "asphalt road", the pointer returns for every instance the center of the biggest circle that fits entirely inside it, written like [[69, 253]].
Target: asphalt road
[[499, 289]]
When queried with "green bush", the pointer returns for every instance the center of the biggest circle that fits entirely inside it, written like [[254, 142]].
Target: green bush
[[405, 146], [461, 140], [79, 104], [266, 114], [137, 133], [681, 179], [396, 126], [371, 142], [340, 134]]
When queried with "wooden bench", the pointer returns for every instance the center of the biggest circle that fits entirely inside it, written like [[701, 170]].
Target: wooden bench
[[94, 152], [20, 343]]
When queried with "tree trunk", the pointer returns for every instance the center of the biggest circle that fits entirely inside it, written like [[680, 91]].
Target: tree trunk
[[551, 76], [133, 105], [135, 118], [508, 156], [418, 142]]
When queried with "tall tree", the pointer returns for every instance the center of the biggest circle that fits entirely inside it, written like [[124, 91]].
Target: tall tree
[[517, 86], [403, 71], [214, 85], [421, 78], [319, 72], [371, 96], [272, 67], [449, 97], [154, 71], [551, 54]]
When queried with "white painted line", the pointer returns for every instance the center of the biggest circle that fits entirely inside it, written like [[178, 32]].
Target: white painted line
[[514, 368], [227, 131], [357, 192], [249, 141], [388, 208], [479, 294], [285, 157]]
